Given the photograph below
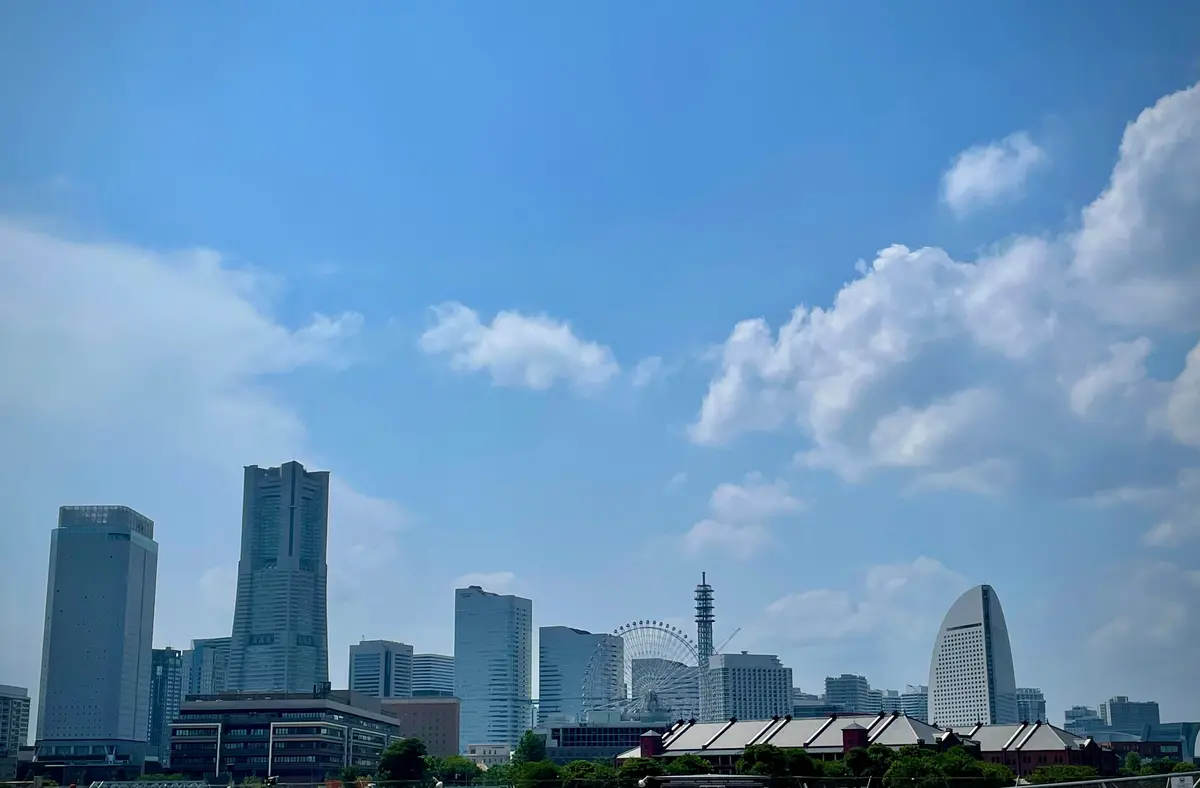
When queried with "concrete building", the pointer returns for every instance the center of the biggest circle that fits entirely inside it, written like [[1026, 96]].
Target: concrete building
[[493, 665], [914, 702], [166, 693], [1082, 720], [297, 737], [889, 701], [971, 676], [1031, 705], [381, 669], [280, 638], [432, 675], [433, 720], [807, 706], [750, 686], [205, 666], [600, 740], [849, 693], [1121, 713], [564, 656], [486, 755], [94, 698], [14, 727]]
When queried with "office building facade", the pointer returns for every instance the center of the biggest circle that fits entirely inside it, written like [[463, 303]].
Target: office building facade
[[1082, 720], [1031, 705], [971, 677], [432, 675], [205, 666], [94, 698], [493, 665], [14, 727], [565, 655], [914, 702], [166, 692], [432, 719], [280, 636], [749, 686], [381, 668], [851, 694], [1123, 714]]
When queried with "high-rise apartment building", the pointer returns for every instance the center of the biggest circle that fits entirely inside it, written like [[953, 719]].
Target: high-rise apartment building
[[14, 727], [914, 702], [280, 639], [749, 686], [432, 675], [205, 666], [565, 655], [889, 700], [381, 668], [971, 676], [1031, 704], [96, 649], [850, 693], [1129, 716], [493, 665], [166, 692]]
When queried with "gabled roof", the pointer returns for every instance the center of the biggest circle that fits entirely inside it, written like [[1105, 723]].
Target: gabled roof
[[1022, 736]]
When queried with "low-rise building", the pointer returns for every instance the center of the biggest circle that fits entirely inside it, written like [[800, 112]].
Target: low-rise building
[[433, 720], [485, 755], [1025, 747], [14, 727], [594, 740], [297, 737]]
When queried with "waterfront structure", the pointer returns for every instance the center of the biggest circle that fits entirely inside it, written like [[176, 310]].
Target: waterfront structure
[[432, 719], [971, 676], [1031, 705], [166, 693], [849, 693], [1123, 714], [94, 696], [493, 665], [749, 686], [432, 675], [280, 639], [381, 669], [205, 666], [565, 655], [14, 727], [914, 702], [296, 737]]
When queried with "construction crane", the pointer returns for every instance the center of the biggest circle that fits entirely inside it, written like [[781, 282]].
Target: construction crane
[[732, 635]]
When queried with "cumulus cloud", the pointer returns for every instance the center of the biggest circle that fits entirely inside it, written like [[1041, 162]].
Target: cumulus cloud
[[496, 582], [517, 350], [1021, 368], [986, 174], [739, 513], [647, 371]]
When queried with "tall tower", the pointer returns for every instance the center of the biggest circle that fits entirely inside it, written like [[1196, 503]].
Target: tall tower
[[971, 673], [280, 641], [704, 644]]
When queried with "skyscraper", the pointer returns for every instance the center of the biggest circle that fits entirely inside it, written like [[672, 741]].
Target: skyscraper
[[280, 640], [166, 690], [1129, 716], [971, 672], [750, 686], [564, 656], [381, 668], [493, 665], [850, 693], [1031, 704], [205, 666], [433, 675], [95, 687]]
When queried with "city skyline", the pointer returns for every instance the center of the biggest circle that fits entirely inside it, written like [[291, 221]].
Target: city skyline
[[852, 309]]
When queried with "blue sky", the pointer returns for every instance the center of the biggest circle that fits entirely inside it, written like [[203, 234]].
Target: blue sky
[[499, 267]]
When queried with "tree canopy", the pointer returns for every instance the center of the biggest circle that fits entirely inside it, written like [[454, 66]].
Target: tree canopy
[[403, 760], [531, 749], [1061, 773]]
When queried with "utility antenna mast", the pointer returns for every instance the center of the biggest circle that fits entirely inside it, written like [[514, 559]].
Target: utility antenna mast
[[704, 643]]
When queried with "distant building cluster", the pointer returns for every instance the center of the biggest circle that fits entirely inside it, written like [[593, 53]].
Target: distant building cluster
[[258, 701]]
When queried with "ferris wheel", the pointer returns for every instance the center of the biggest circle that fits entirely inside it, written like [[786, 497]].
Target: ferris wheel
[[644, 668]]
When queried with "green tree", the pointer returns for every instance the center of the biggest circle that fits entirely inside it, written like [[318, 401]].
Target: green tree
[[689, 763], [801, 764], [635, 769], [835, 768], [452, 769], [997, 775], [349, 775], [403, 760], [764, 759], [531, 749], [914, 772], [1059, 773], [497, 774], [587, 774], [1157, 766], [251, 782], [1133, 764], [536, 774], [1184, 766]]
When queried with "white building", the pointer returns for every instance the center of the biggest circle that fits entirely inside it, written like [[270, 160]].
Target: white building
[[850, 693], [280, 637], [914, 702], [493, 665], [432, 674], [750, 686], [96, 649], [564, 656], [1031, 705], [381, 669], [971, 672], [486, 755]]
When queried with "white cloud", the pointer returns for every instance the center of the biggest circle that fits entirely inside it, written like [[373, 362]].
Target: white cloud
[[647, 371], [517, 350], [739, 512], [1017, 369], [986, 174], [496, 582]]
